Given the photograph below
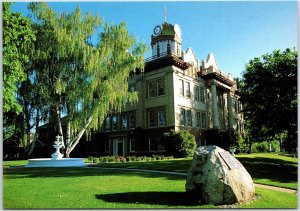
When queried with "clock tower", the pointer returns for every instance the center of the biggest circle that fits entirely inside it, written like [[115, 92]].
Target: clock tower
[[165, 40]]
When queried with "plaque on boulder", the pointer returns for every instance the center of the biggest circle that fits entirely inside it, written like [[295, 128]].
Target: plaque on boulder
[[230, 160], [216, 177]]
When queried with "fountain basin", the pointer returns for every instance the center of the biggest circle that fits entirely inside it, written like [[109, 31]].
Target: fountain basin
[[50, 162]]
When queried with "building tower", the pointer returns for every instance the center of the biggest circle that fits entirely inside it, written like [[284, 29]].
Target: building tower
[[166, 39]]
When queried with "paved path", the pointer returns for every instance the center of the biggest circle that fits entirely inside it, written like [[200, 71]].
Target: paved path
[[287, 190]]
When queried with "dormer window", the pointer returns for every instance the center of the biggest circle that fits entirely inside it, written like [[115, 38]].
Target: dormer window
[[158, 51], [168, 48]]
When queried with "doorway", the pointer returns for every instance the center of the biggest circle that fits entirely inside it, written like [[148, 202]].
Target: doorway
[[118, 146]]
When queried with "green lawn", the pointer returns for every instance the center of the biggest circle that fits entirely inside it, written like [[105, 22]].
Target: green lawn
[[265, 168], [58, 188], [272, 169]]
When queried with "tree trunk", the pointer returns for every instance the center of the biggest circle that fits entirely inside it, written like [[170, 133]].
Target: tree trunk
[[70, 147], [37, 122], [250, 146], [57, 119]]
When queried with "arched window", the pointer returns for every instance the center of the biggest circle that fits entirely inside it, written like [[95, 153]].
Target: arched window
[[168, 48], [158, 51]]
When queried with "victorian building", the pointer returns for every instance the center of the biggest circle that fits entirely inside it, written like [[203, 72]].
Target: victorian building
[[175, 91]]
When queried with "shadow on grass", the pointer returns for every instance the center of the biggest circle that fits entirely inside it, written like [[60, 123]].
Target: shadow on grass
[[276, 170], [151, 198], [12, 173]]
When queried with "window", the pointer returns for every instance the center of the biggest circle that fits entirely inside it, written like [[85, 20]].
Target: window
[[158, 51], [156, 88], [151, 89], [132, 145], [168, 48], [182, 117], [184, 88], [151, 118], [186, 117], [161, 117], [156, 117], [203, 120], [155, 145], [196, 91], [132, 120], [107, 123], [124, 121], [198, 119], [160, 87], [114, 122], [236, 106], [189, 118], [131, 88], [187, 89], [202, 95], [181, 87]]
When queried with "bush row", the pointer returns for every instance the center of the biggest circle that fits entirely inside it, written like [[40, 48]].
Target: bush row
[[121, 159], [264, 146]]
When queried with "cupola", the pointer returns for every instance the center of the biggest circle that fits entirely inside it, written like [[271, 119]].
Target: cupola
[[165, 40]]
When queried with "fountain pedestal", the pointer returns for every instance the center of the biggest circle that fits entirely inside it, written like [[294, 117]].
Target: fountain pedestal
[[57, 145], [57, 159]]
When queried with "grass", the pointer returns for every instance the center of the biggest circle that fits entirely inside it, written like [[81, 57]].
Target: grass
[[265, 168], [57, 188], [91, 188], [272, 169]]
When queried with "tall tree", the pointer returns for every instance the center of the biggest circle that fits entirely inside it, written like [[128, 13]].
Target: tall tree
[[79, 79], [17, 39], [269, 94]]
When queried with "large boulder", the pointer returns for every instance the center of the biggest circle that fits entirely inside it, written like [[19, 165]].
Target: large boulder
[[216, 177]]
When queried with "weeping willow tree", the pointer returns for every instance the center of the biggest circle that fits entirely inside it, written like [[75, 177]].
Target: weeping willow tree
[[79, 79]]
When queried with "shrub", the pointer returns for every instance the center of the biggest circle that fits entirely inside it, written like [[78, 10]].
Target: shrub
[[95, 160], [108, 159], [260, 146], [90, 158], [180, 144], [121, 159], [275, 145], [112, 159], [240, 143]]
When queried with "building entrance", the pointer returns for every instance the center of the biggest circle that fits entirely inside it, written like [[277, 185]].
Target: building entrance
[[118, 146]]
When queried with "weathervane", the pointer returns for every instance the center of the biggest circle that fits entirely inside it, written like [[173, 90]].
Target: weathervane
[[165, 13]]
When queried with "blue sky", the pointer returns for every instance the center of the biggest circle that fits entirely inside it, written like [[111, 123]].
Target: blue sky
[[234, 32]]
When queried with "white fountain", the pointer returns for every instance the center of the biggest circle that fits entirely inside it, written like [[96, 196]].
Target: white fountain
[[57, 159]]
